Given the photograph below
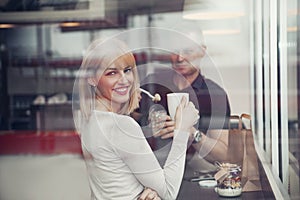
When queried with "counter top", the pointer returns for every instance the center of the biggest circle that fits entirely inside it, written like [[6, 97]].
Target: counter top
[[68, 142], [194, 191]]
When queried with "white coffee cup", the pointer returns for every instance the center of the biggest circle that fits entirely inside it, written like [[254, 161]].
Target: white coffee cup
[[174, 100]]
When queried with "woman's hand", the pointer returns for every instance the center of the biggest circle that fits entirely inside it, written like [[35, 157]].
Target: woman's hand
[[186, 115], [149, 194]]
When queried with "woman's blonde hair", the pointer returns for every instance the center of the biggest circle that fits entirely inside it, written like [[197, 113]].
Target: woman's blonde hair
[[99, 56]]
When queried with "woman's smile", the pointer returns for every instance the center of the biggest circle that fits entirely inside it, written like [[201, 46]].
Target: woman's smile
[[121, 90]]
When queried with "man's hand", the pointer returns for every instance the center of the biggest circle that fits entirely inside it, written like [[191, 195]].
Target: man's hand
[[186, 115], [167, 131], [149, 194]]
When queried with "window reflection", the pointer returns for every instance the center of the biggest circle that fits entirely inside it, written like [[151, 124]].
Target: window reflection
[[293, 88], [277, 86]]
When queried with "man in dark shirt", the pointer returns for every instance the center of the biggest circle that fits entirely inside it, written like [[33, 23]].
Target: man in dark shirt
[[209, 98]]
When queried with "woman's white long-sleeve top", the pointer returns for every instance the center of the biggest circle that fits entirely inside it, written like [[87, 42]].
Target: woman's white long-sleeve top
[[121, 163]]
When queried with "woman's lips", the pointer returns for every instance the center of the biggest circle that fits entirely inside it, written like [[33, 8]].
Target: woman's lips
[[121, 90]]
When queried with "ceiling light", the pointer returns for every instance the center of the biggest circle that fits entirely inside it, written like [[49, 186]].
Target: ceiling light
[[212, 9], [292, 29], [7, 25], [70, 24], [293, 12], [213, 15], [221, 32]]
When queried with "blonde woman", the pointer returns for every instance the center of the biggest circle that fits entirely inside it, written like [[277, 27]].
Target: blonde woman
[[120, 163]]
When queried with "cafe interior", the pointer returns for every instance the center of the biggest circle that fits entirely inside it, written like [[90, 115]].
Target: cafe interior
[[253, 45]]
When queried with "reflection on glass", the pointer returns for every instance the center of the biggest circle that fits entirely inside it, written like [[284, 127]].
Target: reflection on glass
[[293, 86]]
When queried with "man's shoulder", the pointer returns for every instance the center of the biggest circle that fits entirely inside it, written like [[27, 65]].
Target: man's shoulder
[[212, 84]]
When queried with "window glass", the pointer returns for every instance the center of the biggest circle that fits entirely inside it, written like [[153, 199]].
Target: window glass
[[293, 88]]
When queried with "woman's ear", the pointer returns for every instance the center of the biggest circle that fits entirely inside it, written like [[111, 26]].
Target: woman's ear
[[92, 81]]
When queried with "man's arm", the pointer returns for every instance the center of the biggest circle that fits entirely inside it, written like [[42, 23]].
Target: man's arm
[[214, 145]]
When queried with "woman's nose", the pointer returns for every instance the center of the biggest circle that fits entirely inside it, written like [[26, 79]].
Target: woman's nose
[[123, 78]]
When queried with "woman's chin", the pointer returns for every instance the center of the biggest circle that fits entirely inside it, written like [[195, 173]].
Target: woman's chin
[[121, 99]]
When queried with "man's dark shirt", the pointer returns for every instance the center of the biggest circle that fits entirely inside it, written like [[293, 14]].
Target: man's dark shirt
[[209, 98]]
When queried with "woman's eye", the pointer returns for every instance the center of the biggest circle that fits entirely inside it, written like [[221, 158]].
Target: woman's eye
[[111, 73], [127, 70]]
